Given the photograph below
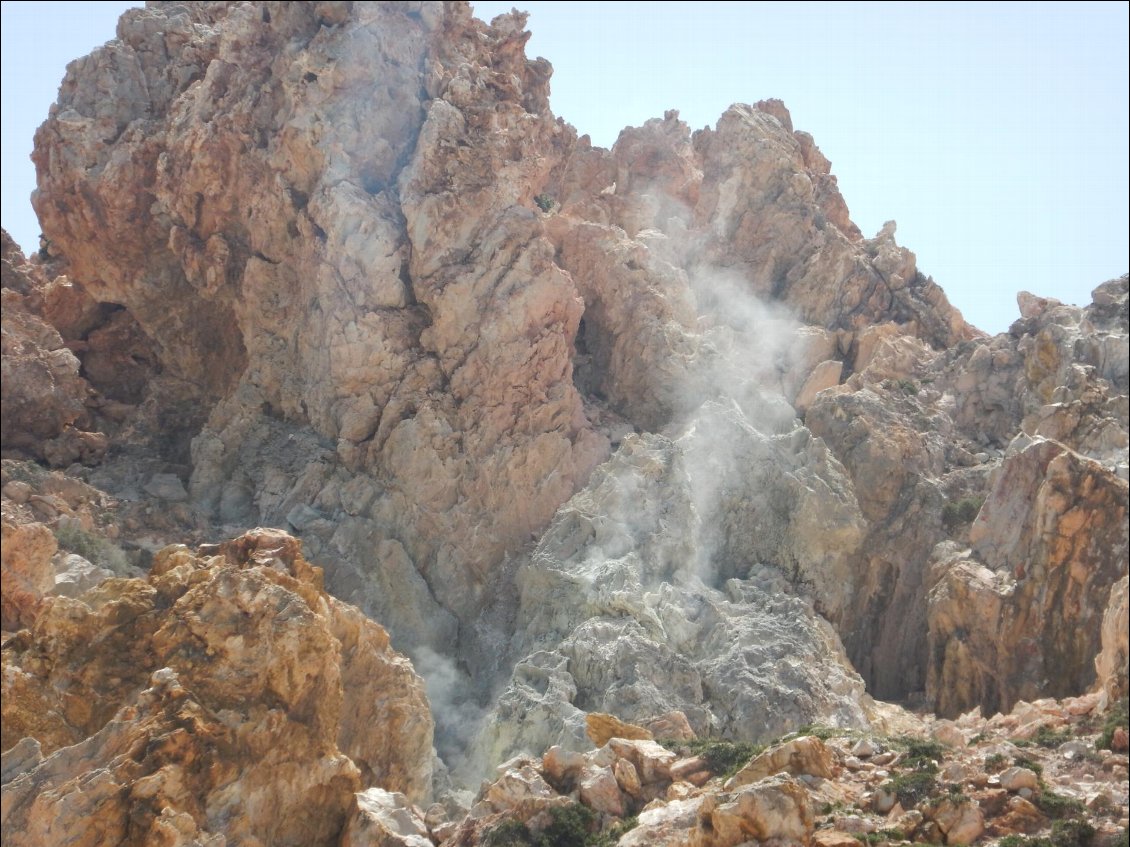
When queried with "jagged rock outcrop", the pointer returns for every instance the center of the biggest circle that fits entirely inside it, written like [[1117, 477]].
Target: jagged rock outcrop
[[44, 398], [635, 430], [1053, 536], [223, 696]]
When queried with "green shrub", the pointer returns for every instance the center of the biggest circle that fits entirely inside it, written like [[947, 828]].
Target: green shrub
[[1115, 718], [1047, 737], [615, 832], [94, 548], [994, 762], [908, 386], [24, 471], [723, 758], [570, 827], [912, 788], [545, 202], [820, 731], [1071, 833], [1030, 764], [963, 511], [921, 754], [508, 833], [1056, 806]]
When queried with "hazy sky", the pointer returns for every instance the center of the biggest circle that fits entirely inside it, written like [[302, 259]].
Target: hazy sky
[[996, 135]]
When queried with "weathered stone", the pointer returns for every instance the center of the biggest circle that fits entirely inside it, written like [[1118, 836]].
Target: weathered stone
[[1112, 661], [599, 790], [28, 573], [384, 819], [960, 822], [601, 728], [289, 694], [1013, 779], [806, 755], [776, 807]]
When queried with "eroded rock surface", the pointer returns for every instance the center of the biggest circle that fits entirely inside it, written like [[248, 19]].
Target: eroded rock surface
[[223, 696], [644, 430]]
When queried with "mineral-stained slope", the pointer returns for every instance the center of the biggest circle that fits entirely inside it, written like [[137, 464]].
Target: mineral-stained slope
[[589, 430]]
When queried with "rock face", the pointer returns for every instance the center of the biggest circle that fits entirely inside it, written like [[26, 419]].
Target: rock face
[[224, 696], [1053, 535], [635, 431]]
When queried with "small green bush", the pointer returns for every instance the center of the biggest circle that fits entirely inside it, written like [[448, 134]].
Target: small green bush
[[1047, 737], [570, 827], [912, 788], [508, 833], [1071, 833], [94, 548], [723, 758], [545, 202], [1030, 764], [994, 762], [1056, 806], [24, 471], [615, 832], [1115, 718], [963, 511], [820, 731]]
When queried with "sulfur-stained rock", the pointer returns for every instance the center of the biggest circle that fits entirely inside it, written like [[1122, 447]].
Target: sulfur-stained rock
[[1053, 539], [804, 755], [601, 728], [259, 684], [28, 573], [775, 807]]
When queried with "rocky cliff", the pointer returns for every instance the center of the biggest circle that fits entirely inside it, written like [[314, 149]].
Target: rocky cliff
[[640, 431]]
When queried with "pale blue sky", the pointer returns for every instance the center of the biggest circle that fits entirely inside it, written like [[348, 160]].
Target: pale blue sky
[[995, 134]]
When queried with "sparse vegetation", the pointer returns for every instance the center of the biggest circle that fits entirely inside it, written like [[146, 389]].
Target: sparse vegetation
[[921, 754], [570, 826], [1056, 806], [1050, 738], [24, 471], [994, 763], [508, 833], [1030, 764], [1115, 718], [94, 548], [613, 835], [963, 511], [545, 202], [1072, 833], [882, 836], [912, 788], [723, 758], [820, 731], [908, 386]]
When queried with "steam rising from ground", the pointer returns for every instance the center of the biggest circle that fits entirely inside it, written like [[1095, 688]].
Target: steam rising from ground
[[452, 697]]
